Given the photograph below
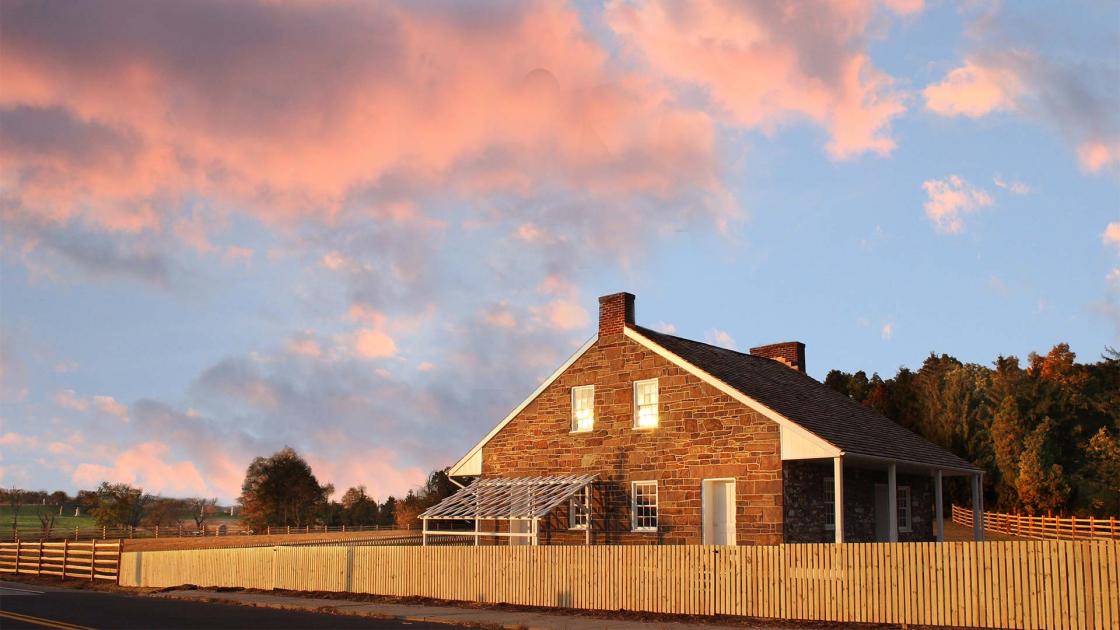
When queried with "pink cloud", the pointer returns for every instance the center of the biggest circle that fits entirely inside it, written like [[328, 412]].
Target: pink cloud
[[564, 314], [378, 469], [950, 199], [145, 465], [371, 343], [720, 338], [108, 405], [68, 399], [1098, 154], [974, 90], [1111, 235], [766, 64], [293, 106], [16, 439]]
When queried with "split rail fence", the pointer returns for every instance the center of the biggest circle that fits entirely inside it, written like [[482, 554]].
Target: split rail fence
[[1023, 584], [95, 560], [1043, 527]]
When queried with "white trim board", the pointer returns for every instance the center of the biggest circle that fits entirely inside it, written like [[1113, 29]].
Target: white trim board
[[797, 441], [471, 463]]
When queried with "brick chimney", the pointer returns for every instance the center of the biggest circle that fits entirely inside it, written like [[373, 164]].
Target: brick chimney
[[792, 353], [615, 312]]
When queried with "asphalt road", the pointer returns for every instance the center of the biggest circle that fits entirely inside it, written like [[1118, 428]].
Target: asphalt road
[[36, 606]]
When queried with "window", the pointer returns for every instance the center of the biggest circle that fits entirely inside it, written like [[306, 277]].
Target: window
[[583, 408], [579, 509], [830, 503], [645, 404], [643, 508], [903, 508]]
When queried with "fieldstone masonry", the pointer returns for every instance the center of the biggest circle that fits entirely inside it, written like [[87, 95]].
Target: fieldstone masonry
[[806, 512], [702, 434]]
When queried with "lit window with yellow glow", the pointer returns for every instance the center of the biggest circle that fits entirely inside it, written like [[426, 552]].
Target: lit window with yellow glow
[[645, 404], [583, 408]]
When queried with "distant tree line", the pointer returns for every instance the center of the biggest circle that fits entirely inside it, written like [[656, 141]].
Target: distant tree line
[[109, 505], [282, 491], [1047, 434]]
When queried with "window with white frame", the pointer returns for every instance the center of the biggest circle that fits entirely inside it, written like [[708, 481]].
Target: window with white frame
[[643, 506], [645, 404], [579, 509], [903, 508], [830, 503], [583, 408]]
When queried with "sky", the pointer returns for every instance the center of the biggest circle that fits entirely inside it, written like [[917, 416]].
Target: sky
[[367, 230]]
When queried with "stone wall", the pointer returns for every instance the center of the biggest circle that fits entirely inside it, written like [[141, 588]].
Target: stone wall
[[805, 513], [702, 434]]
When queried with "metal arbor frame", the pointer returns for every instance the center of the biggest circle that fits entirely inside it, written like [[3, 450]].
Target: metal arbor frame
[[506, 499]]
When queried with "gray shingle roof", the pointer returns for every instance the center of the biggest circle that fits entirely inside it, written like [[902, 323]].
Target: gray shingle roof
[[828, 414]]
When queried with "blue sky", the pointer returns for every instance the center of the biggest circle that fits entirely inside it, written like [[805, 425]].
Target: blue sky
[[368, 230]]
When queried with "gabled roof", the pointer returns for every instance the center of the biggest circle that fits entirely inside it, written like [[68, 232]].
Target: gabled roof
[[828, 414]]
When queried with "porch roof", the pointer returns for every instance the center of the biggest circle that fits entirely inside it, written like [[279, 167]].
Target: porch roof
[[508, 497]]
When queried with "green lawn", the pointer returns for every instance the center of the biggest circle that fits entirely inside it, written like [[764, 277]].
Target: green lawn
[[28, 518]]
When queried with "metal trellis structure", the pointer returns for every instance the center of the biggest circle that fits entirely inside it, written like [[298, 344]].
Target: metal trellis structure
[[511, 499]]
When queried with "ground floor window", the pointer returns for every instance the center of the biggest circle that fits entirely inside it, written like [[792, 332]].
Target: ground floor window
[[644, 506], [579, 509]]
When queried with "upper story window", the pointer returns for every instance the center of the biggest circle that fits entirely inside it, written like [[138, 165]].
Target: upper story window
[[583, 408], [904, 508], [579, 509], [643, 506], [645, 404]]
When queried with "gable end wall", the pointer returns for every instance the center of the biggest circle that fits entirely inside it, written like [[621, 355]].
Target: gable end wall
[[703, 434]]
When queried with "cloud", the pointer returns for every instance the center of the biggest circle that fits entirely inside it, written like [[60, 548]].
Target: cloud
[[720, 338], [1111, 235], [665, 327], [806, 62], [108, 405], [565, 315], [1042, 72], [16, 439], [68, 399], [887, 332], [950, 199], [972, 90], [320, 111], [145, 465], [1014, 187]]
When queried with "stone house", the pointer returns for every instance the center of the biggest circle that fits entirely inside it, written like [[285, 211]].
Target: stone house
[[646, 438]]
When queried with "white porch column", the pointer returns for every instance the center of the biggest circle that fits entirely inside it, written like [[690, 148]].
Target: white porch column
[[939, 507], [838, 497], [424, 533], [892, 503], [977, 508]]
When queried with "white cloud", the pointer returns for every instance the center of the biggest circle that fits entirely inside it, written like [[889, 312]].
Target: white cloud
[[950, 199], [1014, 187], [720, 338]]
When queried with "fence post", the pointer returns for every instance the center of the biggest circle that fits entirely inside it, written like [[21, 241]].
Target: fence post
[[65, 556], [268, 530], [18, 547], [92, 558], [39, 560], [289, 529], [157, 531], [1112, 527], [104, 532]]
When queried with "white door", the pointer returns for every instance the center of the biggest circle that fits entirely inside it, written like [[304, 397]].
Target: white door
[[882, 514], [718, 507], [520, 526]]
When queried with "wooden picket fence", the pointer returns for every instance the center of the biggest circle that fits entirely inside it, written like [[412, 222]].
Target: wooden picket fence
[[1043, 527], [1024, 584], [95, 560]]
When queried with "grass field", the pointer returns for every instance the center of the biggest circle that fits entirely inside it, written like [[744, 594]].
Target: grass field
[[28, 518]]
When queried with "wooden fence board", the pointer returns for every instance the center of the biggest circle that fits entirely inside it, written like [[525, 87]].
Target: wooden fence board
[[1029, 584]]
